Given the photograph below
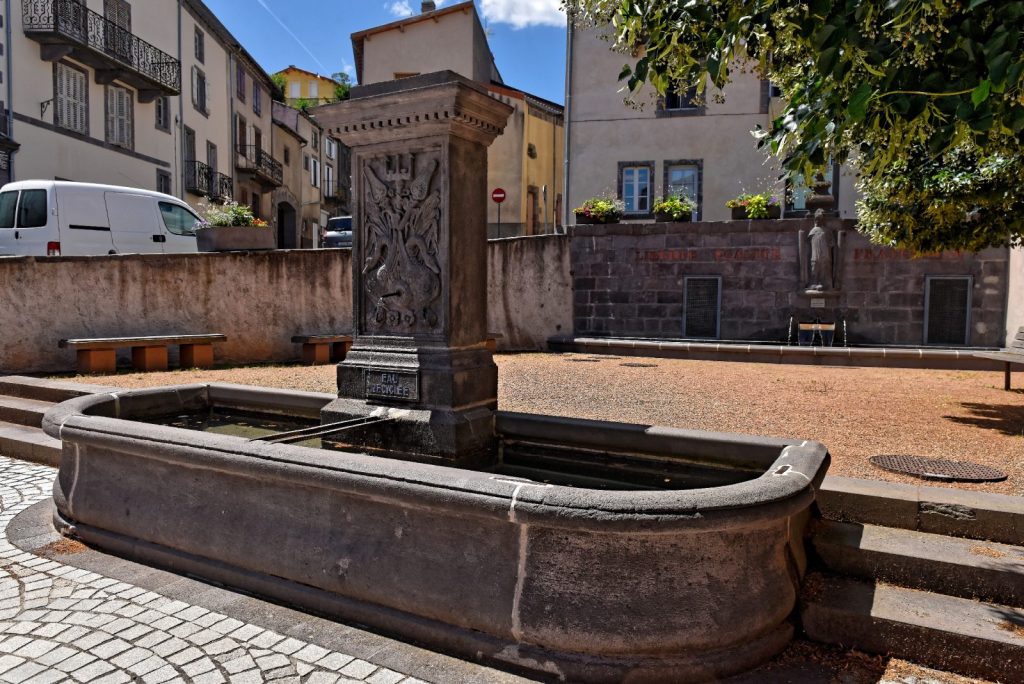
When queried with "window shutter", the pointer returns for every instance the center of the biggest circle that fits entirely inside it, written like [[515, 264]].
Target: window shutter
[[60, 116], [206, 95], [195, 87], [111, 117]]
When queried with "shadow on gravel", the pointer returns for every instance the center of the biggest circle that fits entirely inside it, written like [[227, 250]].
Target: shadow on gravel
[[1005, 418]]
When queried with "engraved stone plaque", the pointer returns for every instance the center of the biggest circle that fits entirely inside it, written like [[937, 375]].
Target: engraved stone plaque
[[817, 303], [391, 384]]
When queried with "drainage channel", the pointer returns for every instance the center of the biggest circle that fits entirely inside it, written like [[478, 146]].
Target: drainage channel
[[325, 430]]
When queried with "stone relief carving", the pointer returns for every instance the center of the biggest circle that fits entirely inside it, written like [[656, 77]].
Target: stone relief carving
[[401, 275]]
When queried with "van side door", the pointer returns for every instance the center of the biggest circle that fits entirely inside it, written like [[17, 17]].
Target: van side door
[[134, 224], [82, 218]]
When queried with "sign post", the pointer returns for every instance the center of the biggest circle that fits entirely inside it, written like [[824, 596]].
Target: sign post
[[498, 196]]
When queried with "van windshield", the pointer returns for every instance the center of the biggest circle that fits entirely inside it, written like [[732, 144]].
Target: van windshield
[[8, 202], [178, 219]]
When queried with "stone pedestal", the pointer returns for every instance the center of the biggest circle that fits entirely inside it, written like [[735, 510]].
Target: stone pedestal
[[419, 354]]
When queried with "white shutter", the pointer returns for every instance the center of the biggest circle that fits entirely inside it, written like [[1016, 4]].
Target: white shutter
[[195, 87], [206, 95], [111, 114], [60, 112]]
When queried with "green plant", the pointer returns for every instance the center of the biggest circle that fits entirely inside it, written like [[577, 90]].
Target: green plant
[[230, 214], [603, 209], [756, 204], [676, 206], [280, 82]]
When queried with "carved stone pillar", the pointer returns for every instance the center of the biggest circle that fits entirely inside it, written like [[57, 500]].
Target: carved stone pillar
[[419, 262]]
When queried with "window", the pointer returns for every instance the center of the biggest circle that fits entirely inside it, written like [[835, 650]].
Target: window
[[287, 156], [305, 162], [240, 134], [200, 39], [72, 98], [702, 298], [118, 34], [257, 99], [211, 155], [178, 219], [8, 203], [163, 113], [679, 103], [330, 148], [257, 200], [163, 182], [314, 90], [314, 174], [240, 78], [684, 177], [316, 140], [329, 179], [295, 89], [119, 117], [947, 310], [635, 185], [32, 209], [200, 91]]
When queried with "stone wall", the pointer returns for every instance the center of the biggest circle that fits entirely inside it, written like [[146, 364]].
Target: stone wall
[[1015, 300], [259, 300], [629, 282], [529, 290]]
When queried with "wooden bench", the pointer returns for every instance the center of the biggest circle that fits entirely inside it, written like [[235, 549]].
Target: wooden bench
[[1014, 354], [99, 355], [320, 349]]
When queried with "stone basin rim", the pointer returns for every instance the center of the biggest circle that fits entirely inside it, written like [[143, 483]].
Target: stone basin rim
[[788, 483]]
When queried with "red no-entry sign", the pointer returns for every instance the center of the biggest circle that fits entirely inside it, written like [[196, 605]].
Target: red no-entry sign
[[498, 195]]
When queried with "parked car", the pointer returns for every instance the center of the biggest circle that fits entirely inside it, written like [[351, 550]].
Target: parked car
[[60, 218], [338, 232]]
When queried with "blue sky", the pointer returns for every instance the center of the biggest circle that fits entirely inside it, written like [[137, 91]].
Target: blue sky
[[526, 36]]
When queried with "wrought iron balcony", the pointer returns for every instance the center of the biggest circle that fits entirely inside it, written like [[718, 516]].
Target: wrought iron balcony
[[200, 179], [263, 167], [68, 28]]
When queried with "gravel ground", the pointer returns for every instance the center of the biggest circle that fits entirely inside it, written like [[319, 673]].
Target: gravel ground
[[856, 412]]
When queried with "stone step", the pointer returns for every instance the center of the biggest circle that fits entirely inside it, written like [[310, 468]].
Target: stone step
[[946, 565], [972, 638], [936, 510], [29, 444], [23, 411], [42, 389]]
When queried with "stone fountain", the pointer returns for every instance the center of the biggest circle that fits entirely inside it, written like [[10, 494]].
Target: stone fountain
[[578, 550]]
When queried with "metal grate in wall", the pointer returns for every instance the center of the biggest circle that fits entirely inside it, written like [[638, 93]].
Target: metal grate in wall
[[947, 310], [702, 309]]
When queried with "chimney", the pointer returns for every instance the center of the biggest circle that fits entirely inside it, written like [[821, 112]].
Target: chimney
[[428, 6]]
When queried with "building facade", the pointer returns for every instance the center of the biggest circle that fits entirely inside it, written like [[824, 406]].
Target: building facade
[[303, 87], [675, 144], [155, 94], [526, 160]]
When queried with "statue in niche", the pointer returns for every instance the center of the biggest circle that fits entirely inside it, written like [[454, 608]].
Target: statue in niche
[[821, 276], [401, 220]]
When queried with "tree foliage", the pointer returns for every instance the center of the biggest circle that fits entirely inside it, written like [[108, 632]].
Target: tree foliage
[[903, 89], [343, 87]]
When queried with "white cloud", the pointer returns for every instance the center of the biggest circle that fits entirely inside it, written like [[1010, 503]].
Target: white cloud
[[400, 8], [523, 13]]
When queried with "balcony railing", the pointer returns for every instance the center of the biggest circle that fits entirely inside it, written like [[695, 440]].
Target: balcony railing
[[254, 160], [70, 28], [200, 179]]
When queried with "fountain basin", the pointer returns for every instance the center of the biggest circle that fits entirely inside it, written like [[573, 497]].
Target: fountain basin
[[634, 583]]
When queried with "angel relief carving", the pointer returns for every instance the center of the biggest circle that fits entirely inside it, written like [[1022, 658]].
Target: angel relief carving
[[401, 221]]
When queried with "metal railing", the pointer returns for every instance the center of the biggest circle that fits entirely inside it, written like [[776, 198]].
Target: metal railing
[[72, 21], [261, 162], [333, 190], [200, 179]]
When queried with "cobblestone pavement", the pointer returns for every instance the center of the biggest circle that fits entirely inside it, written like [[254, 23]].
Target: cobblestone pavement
[[59, 623]]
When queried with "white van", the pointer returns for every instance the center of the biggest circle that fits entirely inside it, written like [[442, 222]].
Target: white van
[[59, 218]]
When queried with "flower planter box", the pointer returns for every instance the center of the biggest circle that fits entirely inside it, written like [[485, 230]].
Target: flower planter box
[[740, 213], [235, 239], [667, 218], [584, 220]]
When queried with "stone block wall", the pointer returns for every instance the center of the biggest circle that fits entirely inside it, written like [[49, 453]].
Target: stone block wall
[[629, 282]]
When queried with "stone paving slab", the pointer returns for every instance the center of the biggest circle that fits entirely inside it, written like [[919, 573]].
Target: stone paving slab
[[71, 614]]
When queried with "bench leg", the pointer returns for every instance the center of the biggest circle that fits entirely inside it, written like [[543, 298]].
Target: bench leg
[[340, 351], [149, 358], [316, 354], [1006, 383], [97, 361], [197, 356]]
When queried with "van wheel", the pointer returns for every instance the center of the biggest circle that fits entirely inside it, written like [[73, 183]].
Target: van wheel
[[113, 251]]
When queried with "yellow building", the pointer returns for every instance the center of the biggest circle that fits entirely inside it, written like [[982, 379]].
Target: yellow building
[[303, 86]]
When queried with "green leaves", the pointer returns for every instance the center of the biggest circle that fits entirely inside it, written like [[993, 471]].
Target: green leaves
[[857, 109], [980, 94]]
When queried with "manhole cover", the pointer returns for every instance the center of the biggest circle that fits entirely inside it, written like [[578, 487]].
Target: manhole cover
[[639, 365], [938, 468]]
